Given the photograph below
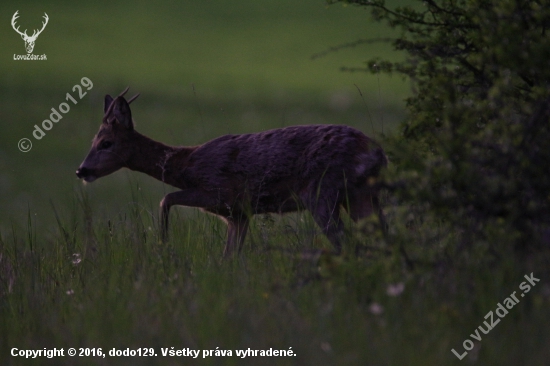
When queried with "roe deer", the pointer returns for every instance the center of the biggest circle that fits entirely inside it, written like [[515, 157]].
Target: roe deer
[[315, 167]]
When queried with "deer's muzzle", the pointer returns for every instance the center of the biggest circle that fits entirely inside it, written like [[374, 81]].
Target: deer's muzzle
[[86, 174]]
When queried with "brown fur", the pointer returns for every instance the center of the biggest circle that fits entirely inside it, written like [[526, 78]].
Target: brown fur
[[318, 167]]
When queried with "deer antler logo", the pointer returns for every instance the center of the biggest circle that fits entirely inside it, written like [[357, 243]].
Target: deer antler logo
[[29, 41]]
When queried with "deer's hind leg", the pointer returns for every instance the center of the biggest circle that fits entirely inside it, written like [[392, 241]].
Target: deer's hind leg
[[363, 206], [326, 213], [237, 227]]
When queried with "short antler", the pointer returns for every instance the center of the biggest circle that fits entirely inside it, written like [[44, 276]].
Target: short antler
[[109, 110], [133, 98], [124, 92]]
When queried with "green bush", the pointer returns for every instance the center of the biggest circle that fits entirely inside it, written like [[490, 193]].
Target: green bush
[[473, 154]]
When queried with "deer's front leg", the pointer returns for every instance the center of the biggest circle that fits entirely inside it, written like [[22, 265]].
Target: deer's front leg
[[191, 197]]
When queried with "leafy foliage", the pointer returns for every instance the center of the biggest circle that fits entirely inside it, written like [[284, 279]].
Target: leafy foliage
[[473, 151]]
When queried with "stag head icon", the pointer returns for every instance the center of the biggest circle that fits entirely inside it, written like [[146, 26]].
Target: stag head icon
[[29, 40]]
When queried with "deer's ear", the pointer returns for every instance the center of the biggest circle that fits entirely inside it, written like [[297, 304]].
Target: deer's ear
[[122, 113], [107, 104]]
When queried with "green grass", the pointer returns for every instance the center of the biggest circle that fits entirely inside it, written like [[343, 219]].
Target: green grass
[[98, 281]]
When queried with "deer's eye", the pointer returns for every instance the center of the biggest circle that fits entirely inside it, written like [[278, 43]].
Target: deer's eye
[[105, 145]]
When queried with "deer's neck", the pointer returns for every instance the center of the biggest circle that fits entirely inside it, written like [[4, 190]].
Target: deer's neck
[[160, 161]]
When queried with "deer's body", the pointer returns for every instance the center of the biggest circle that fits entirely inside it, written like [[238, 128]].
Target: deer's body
[[315, 167]]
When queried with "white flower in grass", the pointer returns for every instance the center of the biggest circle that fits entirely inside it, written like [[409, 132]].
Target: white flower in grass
[[76, 259], [395, 289], [325, 346], [376, 308]]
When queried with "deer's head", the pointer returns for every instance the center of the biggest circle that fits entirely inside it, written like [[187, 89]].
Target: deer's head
[[111, 147], [29, 40]]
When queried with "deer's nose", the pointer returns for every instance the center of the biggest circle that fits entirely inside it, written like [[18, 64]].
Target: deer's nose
[[82, 172]]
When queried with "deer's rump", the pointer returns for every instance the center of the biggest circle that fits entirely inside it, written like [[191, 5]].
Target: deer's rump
[[274, 170]]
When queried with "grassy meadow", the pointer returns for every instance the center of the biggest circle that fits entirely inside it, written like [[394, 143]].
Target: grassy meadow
[[81, 265]]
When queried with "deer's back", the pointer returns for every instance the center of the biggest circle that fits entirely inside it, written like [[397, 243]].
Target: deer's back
[[274, 164]]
